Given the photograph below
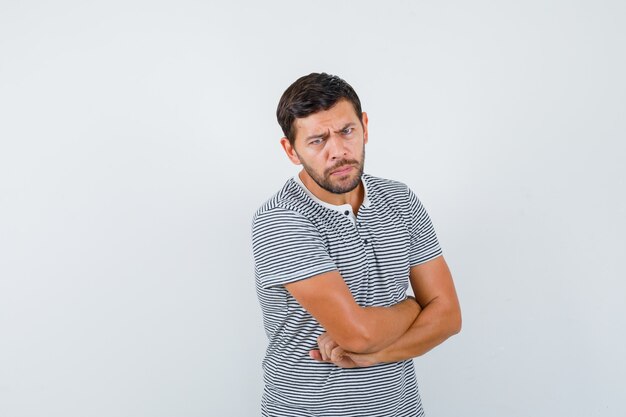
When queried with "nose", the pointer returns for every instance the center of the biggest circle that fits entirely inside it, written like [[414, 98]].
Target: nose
[[336, 147]]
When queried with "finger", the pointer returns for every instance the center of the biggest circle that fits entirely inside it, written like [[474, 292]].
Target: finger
[[327, 347], [337, 354], [322, 342], [315, 354]]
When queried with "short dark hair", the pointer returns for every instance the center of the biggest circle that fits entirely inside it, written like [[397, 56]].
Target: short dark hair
[[310, 94]]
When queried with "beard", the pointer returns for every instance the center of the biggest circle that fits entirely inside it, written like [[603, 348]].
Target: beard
[[340, 185]]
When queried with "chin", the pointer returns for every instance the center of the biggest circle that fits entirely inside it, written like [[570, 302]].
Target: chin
[[342, 186]]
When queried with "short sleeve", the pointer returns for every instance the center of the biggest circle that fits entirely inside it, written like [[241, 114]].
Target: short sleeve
[[287, 248], [424, 242]]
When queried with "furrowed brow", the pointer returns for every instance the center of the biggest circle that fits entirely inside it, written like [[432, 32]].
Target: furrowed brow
[[347, 125], [317, 136]]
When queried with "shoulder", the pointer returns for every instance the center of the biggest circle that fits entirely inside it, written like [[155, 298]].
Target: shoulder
[[384, 189], [290, 204]]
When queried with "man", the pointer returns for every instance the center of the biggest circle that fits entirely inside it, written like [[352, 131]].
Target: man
[[335, 250]]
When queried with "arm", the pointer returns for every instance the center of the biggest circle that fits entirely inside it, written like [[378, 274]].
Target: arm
[[357, 329], [290, 252], [440, 318], [434, 290]]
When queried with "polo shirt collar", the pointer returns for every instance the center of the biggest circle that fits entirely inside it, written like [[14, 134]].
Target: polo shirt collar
[[340, 209]]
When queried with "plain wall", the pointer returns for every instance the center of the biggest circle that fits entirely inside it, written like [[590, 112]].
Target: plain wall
[[137, 138]]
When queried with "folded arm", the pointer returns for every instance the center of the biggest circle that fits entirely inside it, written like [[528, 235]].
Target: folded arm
[[357, 329], [439, 319]]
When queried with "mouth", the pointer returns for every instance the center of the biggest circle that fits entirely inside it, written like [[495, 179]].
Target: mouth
[[342, 170]]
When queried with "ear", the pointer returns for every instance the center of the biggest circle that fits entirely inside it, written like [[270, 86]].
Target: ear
[[290, 151], [364, 122]]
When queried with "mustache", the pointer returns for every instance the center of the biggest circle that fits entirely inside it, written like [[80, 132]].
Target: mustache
[[341, 163]]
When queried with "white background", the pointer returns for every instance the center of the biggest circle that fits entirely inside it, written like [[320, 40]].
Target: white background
[[138, 138]]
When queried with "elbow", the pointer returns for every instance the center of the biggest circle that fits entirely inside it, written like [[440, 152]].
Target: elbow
[[450, 321], [456, 322]]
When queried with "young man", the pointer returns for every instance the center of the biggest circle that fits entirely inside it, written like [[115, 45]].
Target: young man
[[335, 250]]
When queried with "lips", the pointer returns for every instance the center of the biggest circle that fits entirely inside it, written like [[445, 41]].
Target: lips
[[343, 170]]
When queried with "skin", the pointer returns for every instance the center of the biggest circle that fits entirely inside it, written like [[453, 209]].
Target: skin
[[439, 319], [325, 142], [330, 145]]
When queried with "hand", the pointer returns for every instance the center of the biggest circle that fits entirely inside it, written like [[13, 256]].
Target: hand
[[329, 351]]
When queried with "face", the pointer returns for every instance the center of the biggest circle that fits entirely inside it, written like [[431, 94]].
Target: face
[[330, 145]]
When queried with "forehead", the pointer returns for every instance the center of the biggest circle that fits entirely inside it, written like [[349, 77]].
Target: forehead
[[334, 118]]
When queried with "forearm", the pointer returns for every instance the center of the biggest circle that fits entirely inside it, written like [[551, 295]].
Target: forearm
[[384, 325], [439, 319], [434, 324]]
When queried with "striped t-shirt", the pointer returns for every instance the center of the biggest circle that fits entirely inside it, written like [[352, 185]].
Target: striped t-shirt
[[296, 236]]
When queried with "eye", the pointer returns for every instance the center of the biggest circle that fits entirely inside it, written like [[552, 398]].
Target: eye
[[347, 130], [315, 141]]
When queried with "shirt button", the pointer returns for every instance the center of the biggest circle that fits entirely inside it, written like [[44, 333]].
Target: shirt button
[[359, 224], [365, 241], [346, 212]]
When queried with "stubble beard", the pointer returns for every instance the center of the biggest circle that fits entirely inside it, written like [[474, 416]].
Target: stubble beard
[[325, 180]]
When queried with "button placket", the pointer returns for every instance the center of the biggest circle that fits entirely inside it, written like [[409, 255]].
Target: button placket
[[363, 233]]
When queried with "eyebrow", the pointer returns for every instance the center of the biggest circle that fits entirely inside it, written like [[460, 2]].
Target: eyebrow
[[323, 135], [347, 125], [318, 135]]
